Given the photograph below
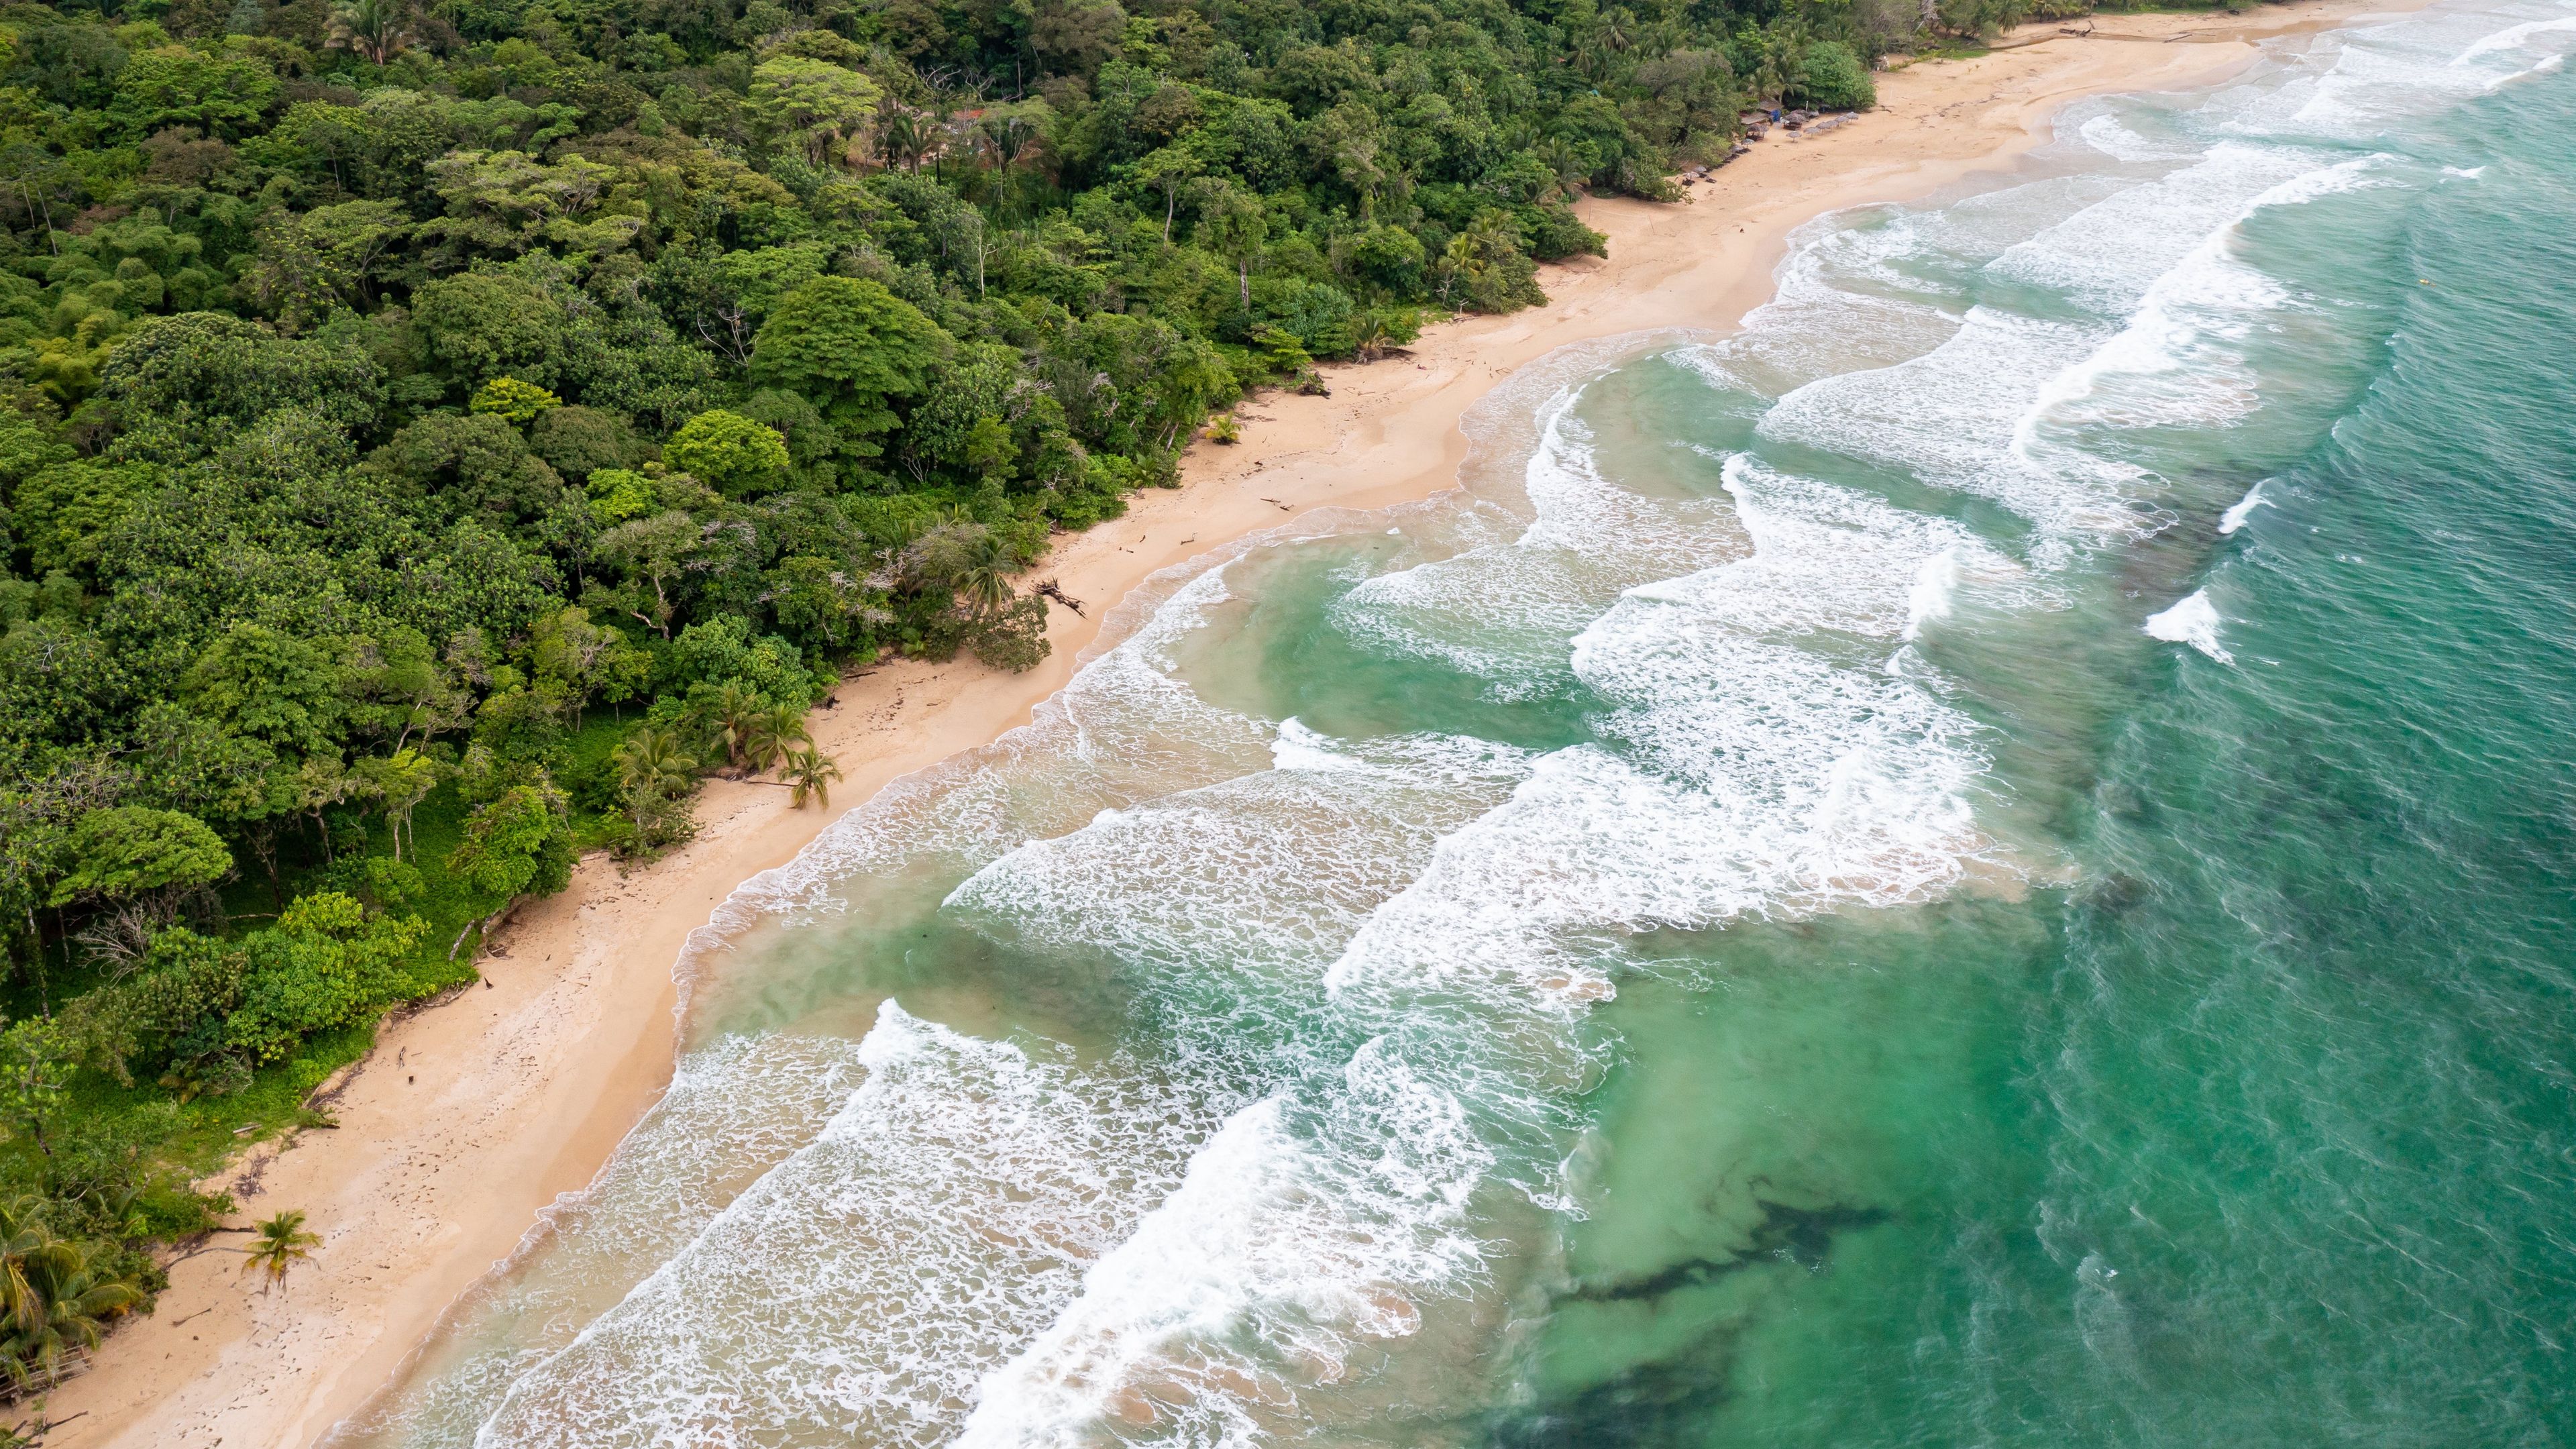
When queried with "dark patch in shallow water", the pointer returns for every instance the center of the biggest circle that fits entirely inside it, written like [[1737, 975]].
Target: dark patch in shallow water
[[1669, 1400], [1653, 1404], [1786, 1234], [2117, 893]]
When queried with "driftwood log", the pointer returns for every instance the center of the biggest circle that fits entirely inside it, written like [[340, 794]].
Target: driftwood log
[[1048, 590]]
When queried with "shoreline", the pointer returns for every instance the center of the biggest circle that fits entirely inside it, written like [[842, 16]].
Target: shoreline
[[475, 1114]]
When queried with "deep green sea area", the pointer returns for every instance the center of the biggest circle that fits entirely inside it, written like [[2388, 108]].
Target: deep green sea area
[[1989, 860]]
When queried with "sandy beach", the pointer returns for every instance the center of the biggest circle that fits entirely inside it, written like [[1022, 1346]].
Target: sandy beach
[[476, 1113]]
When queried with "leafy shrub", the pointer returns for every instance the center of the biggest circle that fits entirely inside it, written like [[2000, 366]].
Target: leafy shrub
[[1015, 637], [519, 844], [327, 963], [1317, 314], [1831, 78], [130, 850], [724, 649]]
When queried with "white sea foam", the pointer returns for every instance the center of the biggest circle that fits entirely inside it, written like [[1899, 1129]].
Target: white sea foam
[[2546, 65], [2111, 254], [734, 1108], [2383, 74], [2193, 621], [1328, 1212], [2514, 37], [1123, 728], [1504, 611], [1948, 418], [2241, 510], [1227, 902], [1288, 1245], [1296, 747], [859, 1290], [2110, 135], [2180, 358], [1830, 559], [1782, 779], [2152, 254], [1848, 294], [1936, 585], [1816, 784]]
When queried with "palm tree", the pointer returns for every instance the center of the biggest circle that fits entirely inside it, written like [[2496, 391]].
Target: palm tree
[[277, 1244], [727, 715], [771, 734], [902, 140], [808, 771], [79, 1304], [651, 762], [23, 1241], [53, 1302], [1374, 338], [984, 574], [375, 29], [651, 768]]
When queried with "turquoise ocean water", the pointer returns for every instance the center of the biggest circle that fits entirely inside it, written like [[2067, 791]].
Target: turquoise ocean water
[[1988, 861]]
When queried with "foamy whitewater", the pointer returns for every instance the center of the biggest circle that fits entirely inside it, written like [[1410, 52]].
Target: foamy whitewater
[[1290, 1035]]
